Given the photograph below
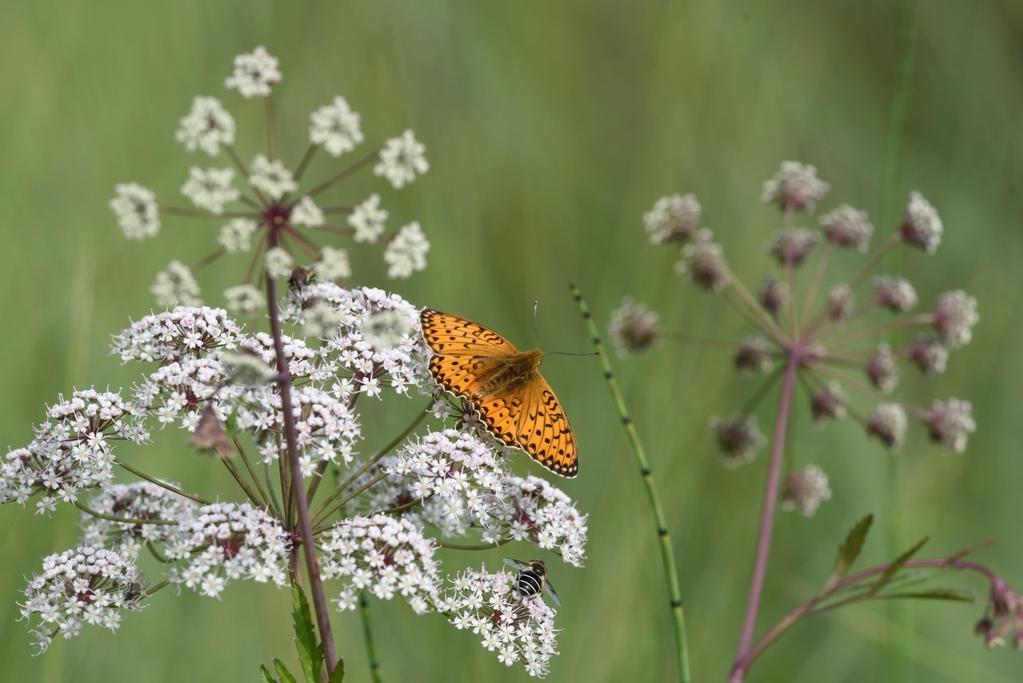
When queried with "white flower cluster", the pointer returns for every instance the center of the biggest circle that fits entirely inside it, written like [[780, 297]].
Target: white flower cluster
[[71, 451], [376, 337], [226, 541], [136, 211], [173, 335], [210, 188], [326, 427], [383, 555], [84, 585], [367, 219], [405, 253], [237, 235], [517, 628], [254, 73], [673, 219], [306, 213], [207, 126], [794, 187], [181, 390], [401, 159], [545, 515], [463, 485], [335, 127], [176, 286], [139, 501], [271, 177]]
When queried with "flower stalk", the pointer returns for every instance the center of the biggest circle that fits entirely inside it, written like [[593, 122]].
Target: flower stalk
[[664, 536], [305, 526]]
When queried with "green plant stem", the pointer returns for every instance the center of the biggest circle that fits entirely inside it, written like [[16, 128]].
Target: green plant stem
[[162, 484], [251, 470], [667, 553], [123, 520], [473, 546], [371, 654], [325, 514], [240, 480]]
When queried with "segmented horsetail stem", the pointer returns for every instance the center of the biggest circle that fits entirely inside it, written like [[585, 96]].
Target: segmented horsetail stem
[[667, 553], [371, 654]]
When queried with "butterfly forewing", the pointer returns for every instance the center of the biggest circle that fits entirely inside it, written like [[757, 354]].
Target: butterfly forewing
[[526, 414], [453, 336]]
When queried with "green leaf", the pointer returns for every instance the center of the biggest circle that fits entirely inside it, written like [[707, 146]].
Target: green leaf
[[951, 594], [267, 676], [894, 567], [283, 672], [339, 672], [310, 653], [848, 551]]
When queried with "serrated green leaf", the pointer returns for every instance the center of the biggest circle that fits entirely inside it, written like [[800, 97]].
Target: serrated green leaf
[[894, 567], [267, 676], [952, 594], [339, 672], [310, 653], [848, 551], [283, 672]]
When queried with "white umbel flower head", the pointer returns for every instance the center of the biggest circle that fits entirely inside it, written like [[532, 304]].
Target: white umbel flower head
[[633, 328], [182, 390], [176, 286], [186, 331], [254, 73], [351, 351], [227, 541], [326, 427], [738, 438], [81, 586], [71, 452], [306, 213], [402, 159], [406, 252], [207, 126], [516, 628], [237, 235], [335, 127], [921, 225], [795, 187], [244, 299], [211, 188], [382, 555], [278, 263], [368, 219], [888, 424], [333, 265], [847, 228], [894, 293], [805, 490], [271, 177], [136, 211], [141, 500], [703, 262], [673, 219], [950, 423], [955, 314]]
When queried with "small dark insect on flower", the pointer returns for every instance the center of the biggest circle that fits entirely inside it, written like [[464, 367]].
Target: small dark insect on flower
[[532, 579]]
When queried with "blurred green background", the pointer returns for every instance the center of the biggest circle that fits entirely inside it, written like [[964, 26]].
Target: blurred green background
[[550, 128]]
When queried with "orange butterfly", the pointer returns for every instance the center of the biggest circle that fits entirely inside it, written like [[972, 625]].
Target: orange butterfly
[[504, 385]]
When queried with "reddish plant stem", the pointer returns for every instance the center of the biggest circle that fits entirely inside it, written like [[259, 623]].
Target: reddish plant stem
[[743, 664], [770, 504], [305, 526]]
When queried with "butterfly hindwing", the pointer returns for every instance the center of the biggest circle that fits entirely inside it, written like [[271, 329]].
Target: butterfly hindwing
[[544, 431]]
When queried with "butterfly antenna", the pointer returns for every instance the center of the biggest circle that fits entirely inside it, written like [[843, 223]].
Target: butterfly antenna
[[569, 353], [536, 327]]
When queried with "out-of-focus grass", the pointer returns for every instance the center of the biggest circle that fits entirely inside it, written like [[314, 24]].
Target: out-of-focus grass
[[550, 129]]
